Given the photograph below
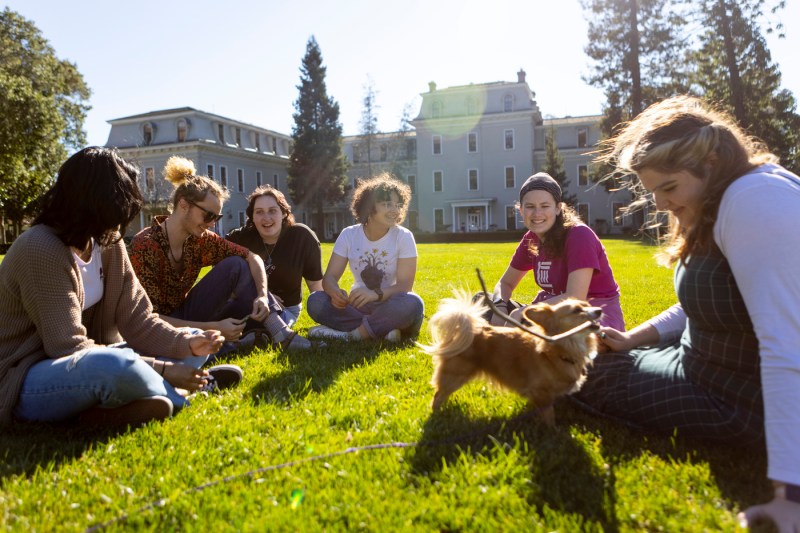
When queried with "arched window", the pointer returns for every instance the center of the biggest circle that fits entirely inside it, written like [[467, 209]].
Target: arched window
[[183, 129], [148, 132]]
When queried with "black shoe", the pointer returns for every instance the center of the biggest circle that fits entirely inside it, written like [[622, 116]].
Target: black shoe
[[222, 377]]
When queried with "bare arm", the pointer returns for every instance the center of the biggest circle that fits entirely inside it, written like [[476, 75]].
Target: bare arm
[[314, 286], [261, 303], [508, 282], [231, 328], [578, 283], [330, 281]]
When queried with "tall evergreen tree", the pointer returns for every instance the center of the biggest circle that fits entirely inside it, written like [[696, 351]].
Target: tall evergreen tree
[[317, 165], [735, 69], [43, 102], [554, 165], [638, 55], [369, 122]]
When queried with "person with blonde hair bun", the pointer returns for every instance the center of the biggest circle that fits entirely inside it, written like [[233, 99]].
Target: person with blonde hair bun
[[723, 364], [169, 255]]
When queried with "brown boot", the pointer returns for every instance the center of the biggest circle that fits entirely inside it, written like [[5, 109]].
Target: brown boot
[[136, 413]]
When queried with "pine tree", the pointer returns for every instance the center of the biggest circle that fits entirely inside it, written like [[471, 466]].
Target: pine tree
[[369, 122], [735, 69], [554, 165], [317, 165], [638, 55]]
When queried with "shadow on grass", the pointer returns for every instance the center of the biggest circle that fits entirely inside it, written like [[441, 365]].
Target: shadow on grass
[[26, 445], [738, 471], [564, 477], [313, 370]]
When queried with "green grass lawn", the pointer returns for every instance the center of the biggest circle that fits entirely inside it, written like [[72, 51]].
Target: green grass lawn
[[343, 438]]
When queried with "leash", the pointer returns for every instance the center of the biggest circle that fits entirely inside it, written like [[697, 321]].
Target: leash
[[548, 338], [162, 502]]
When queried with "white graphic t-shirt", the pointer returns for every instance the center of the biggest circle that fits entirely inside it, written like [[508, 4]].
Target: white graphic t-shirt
[[374, 263]]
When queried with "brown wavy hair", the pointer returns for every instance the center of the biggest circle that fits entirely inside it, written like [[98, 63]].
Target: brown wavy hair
[[280, 199], [181, 173], [378, 189], [685, 133]]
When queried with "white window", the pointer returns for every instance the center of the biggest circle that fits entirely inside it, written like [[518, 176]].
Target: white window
[[257, 142], [223, 176], [148, 132], [240, 180], [238, 132], [472, 142], [583, 212], [221, 133], [508, 136], [472, 179], [149, 179], [275, 180], [182, 129], [274, 145], [437, 110], [437, 145], [210, 171], [511, 217], [258, 178], [437, 181], [583, 138], [438, 219], [583, 175], [242, 218], [412, 183], [508, 103], [511, 178], [617, 213]]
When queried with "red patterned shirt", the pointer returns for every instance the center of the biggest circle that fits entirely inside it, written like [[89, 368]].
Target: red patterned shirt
[[165, 285]]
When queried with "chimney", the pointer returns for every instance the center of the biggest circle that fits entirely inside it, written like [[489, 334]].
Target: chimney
[[431, 86], [521, 76]]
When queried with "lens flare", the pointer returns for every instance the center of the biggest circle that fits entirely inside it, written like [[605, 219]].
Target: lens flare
[[461, 114]]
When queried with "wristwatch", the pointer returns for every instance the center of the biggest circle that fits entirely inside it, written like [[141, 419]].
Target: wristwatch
[[379, 292]]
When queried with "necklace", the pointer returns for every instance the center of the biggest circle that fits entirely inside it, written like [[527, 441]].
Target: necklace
[[169, 246]]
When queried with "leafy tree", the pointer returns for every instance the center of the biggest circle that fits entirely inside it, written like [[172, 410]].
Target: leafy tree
[[369, 122], [554, 165], [43, 102], [735, 69], [317, 165]]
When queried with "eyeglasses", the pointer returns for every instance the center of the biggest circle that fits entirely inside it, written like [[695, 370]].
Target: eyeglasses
[[208, 216], [392, 205]]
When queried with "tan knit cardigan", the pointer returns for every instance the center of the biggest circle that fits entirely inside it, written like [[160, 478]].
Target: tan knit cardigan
[[41, 302]]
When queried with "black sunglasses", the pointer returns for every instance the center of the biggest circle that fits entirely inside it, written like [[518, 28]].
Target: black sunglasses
[[208, 216]]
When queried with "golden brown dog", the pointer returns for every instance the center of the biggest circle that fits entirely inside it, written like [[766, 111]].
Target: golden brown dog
[[466, 346]]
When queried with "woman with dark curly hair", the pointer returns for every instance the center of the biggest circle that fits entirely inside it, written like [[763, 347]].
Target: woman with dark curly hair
[[383, 260], [568, 259], [69, 298]]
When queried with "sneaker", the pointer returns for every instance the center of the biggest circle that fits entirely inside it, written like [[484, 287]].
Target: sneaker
[[257, 338], [222, 377], [135, 413], [324, 332], [394, 336]]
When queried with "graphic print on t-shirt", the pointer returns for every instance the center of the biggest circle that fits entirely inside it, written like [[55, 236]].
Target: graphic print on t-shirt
[[543, 275], [373, 272]]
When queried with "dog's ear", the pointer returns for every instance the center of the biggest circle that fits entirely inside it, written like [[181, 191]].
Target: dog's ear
[[538, 313]]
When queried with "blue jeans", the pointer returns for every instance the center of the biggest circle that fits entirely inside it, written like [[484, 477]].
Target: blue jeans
[[108, 376], [291, 314], [403, 311], [227, 291]]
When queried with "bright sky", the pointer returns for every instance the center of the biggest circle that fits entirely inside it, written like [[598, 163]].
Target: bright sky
[[241, 58]]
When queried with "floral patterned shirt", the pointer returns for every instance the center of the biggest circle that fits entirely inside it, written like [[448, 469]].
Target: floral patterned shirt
[[165, 285]]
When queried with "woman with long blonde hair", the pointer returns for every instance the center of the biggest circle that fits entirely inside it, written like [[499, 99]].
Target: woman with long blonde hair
[[724, 363]]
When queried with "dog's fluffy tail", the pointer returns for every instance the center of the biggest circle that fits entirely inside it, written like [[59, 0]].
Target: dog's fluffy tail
[[453, 326]]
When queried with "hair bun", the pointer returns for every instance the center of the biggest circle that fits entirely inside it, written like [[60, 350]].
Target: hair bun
[[178, 170]]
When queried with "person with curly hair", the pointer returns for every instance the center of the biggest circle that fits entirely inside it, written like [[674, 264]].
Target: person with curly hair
[[382, 256], [723, 364], [78, 338], [169, 255], [567, 258], [290, 250]]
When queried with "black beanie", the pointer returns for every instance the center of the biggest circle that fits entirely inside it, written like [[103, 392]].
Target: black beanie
[[543, 182]]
